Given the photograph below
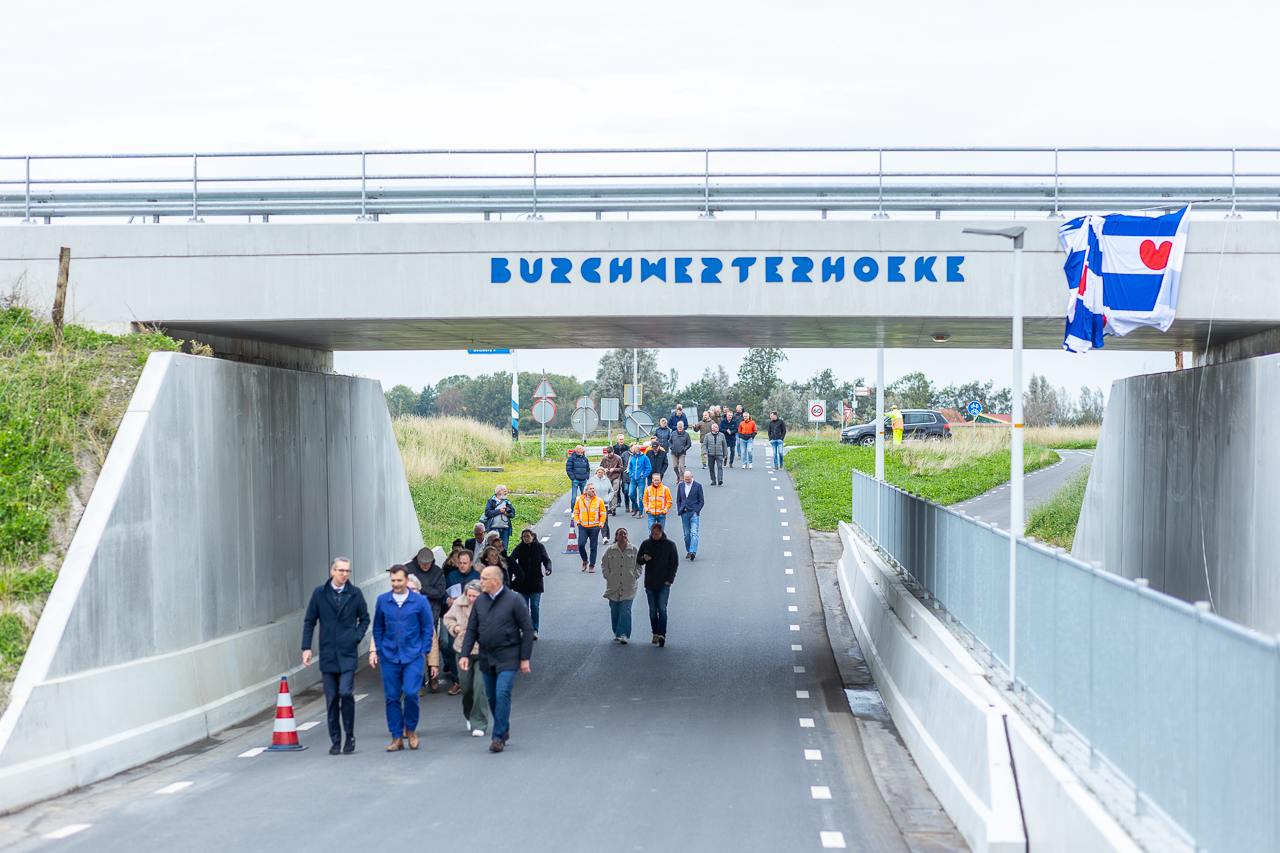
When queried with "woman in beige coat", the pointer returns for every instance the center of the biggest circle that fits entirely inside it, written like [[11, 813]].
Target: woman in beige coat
[[475, 704], [621, 580]]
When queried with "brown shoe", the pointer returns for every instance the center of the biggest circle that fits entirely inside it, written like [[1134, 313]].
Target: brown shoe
[[397, 744], [496, 745], [434, 685], [411, 738], [455, 689]]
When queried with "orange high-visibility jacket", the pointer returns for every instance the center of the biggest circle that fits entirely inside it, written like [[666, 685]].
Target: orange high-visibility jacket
[[589, 511], [657, 499], [747, 428]]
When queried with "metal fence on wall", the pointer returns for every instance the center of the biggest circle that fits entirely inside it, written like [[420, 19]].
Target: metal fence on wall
[[1183, 704]]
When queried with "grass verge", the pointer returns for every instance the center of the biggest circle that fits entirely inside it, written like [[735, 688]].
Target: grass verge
[[937, 471], [1054, 521], [60, 404], [450, 497]]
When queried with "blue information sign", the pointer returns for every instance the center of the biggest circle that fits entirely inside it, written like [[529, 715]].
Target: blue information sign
[[974, 408], [488, 352]]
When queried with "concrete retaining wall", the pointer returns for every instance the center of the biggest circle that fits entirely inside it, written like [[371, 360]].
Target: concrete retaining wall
[[227, 491], [1185, 487], [952, 721]]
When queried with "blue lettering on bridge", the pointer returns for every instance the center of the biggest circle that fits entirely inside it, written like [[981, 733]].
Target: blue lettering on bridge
[[800, 269]]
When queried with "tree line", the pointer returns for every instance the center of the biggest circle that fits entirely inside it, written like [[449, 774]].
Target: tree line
[[758, 389]]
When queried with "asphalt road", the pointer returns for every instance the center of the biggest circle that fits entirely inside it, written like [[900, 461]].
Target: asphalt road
[[737, 736], [993, 506]]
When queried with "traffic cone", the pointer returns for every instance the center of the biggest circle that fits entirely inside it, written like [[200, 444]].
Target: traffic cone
[[285, 735], [572, 546]]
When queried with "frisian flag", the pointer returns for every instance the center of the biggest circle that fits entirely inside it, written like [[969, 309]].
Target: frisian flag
[[1123, 272]]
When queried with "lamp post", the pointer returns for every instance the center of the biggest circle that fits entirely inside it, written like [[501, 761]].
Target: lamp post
[[1013, 233]]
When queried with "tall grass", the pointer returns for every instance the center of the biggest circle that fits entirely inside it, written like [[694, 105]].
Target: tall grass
[[432, 447], [1054, 521]]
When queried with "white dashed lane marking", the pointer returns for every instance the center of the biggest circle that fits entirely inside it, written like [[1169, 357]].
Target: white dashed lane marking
[[308, 726], [67, 831], [797, 669], [558, 523], [174, 788], [784, 524], [793, 609], [791, 571], [786, 538], [813, 755], [360, 696], [786, 553], [795, 627], [831, 839], [257, 750], [779, 497], [802, 694], [791, 590], [820, 792], [796, 648], [781, 510]]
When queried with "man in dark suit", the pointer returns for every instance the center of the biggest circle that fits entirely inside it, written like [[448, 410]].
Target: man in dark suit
[[689, 505], [340, 608], [500, 623]]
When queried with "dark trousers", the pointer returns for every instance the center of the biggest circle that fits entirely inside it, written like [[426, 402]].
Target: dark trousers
[[658, 609], [448, 657], [715, 468], [340, 703], [588, 535], [731, 438]]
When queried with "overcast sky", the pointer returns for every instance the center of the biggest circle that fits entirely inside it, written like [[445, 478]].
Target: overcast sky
[[234, 75]]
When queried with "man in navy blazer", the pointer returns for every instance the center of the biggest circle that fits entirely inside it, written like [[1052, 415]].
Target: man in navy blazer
[[402, 626], [689, 505], [339, 606], [500, 624]]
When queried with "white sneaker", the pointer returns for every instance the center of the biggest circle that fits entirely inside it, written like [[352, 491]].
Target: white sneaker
[[622, 640], [468, 725], [477, 732]]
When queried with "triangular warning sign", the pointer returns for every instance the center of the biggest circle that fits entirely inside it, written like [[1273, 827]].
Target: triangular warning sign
[[544, 389]]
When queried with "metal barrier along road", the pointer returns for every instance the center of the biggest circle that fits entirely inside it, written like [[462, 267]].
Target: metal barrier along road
[[1181, 703], [369, 184]]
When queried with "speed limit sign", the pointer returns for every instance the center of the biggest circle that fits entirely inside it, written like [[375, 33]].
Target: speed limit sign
[[817, 411]]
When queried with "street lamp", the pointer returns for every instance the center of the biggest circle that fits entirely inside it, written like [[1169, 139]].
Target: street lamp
[[1013, 233]]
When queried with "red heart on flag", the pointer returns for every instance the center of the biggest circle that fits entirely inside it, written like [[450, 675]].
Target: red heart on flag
[[1154, 258]]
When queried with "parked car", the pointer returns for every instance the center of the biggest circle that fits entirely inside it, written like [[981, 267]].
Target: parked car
[[919, 424]]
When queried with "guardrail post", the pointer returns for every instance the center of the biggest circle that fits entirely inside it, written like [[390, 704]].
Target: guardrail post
[[195, 189], [364, 193], [1056, 213], [26, 216], [535, 215], [880, 169], [1232, 214], [706, 185]]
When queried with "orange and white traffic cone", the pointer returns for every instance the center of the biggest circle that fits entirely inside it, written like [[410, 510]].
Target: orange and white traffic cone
[[572, 546], [285, 735]]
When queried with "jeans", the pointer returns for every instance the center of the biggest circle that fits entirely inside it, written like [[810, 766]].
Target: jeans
[[689, 520], [585, 535], [776, 444], [745, 445], [505, 533], [636, 492], [497, 686], [401, 681], [620, 618], [475, 703], [731, 440], [658, 609], [340, 702], [533, 600], [656, 519], [677, 464], [576, 488], [715, 464]]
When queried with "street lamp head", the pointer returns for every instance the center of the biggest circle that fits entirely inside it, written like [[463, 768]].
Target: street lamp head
[[1013, 232]]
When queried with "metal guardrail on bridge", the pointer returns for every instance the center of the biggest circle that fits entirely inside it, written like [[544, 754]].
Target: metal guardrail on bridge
[[369, 184], [1181, 703]]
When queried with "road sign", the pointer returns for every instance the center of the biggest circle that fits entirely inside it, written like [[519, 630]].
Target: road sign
[[639, 424], [628, 391], [544, 411], [609, 408], [862, 391], [489, 352], [543, 389], [817, 411], [974, 408], [586, 403], [848, 413], [585, 420]]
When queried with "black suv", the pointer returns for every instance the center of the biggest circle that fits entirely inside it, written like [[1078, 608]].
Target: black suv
[[916, 423]]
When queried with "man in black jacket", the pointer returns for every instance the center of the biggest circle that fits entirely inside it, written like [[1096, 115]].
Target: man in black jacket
[[680, 444], [340, 608], [500, 623], [431, 580], [660, 559], [777, 432]]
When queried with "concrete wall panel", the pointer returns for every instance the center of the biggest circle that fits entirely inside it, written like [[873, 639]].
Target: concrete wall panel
[[180, 603], [1195, 508]]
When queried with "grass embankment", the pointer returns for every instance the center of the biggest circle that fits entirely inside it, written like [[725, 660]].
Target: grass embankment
[[1057, 437], [440, 457], [1054, 521], [60, 404], [946, 472]]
